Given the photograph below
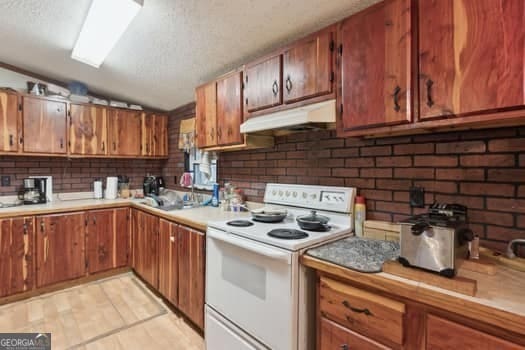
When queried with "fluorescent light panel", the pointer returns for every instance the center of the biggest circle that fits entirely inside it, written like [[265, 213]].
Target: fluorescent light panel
[[104, 25]]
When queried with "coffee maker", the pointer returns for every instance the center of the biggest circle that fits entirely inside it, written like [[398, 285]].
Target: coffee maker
[[35, 190], [153, 185]]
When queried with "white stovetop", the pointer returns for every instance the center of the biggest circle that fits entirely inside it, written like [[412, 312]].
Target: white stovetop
[[339, 223]]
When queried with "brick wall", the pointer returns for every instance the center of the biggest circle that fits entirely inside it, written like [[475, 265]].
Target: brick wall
[[75, 175], [484, 170]]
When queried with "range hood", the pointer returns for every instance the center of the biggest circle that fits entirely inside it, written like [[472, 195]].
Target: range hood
[[320, 115]]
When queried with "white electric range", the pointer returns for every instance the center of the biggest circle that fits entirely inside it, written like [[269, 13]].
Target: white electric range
[[258, 296]]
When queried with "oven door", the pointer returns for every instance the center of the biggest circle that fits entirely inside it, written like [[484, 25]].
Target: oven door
[[255, 286]]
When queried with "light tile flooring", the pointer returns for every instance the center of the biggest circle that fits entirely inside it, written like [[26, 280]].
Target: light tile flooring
[[114, 313]]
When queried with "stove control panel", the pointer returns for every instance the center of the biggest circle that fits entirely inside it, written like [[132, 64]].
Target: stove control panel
[[337, 199]]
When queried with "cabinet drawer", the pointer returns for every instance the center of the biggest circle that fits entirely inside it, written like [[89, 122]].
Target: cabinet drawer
[[444, 334], [365, 312], [333, 336]]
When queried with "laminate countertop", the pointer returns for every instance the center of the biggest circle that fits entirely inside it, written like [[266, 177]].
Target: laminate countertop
[[499, 301], [196, 218]]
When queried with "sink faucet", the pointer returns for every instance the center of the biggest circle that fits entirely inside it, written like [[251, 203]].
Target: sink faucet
[[510, 247]]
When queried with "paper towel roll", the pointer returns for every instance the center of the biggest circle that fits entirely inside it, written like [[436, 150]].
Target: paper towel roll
[[111, 187], [97, 189]]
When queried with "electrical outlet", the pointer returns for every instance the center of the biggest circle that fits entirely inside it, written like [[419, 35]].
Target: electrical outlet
[[417, 197], [175, 180], [6, 180]]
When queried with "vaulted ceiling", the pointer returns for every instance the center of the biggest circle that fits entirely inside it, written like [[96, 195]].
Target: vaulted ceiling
[[169, 48]]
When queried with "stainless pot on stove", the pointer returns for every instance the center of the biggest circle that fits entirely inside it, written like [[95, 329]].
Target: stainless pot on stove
[[313, 222]]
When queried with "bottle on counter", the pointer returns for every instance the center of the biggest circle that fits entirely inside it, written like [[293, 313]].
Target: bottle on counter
[[215, 196], [359, 215]]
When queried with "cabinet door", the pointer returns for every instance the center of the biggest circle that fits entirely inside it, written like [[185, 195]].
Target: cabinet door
[[16, 255], [154, 135], [88, 130], [229, 110], [206, 115], [262, 84], [333, 336], [145, 239], [168, 261], [307, 68], [444, 334], [191, 269], [375, 66], [124, 132], [44, 126], [471, 56], [122, 224], [100, 240], [60, 252], [8, 121]]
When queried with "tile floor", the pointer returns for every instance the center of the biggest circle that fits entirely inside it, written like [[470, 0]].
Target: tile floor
[[114, 313]]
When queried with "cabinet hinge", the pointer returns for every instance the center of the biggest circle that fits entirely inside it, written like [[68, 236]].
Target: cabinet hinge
[[69, 115], [332, 45], [86, 221], [19, 106], [242, 85], [341, 49], [246, 78], [69, 144], [246, 101], [87, 264], [332, 76], [341, 111]]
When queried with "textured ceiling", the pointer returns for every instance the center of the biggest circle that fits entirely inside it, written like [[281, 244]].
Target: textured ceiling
[[170, 47]]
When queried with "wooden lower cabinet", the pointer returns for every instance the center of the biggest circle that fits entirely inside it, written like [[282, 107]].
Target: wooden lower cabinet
[[192, 260], [168, 261], [60, 251], [16, 255], [145, 231], [107, 239], [443, 334], [336, 337]]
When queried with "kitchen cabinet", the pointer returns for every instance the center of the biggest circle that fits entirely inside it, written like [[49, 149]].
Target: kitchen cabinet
[[168, 261], [375, 67], [229, 110], [307, 67], [60, 253], [333, 336], [154, 135], [445, 334], [88, 130], [16, 255], [145, 231], [124, 132], [206, 115], [470, 56], [262, 84], [191, 252], [9, 120], [107, 239], [44, 126]]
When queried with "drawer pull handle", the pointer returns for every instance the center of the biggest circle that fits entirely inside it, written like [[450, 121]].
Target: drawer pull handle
[[356, 310], [397, 90], [430, 101]]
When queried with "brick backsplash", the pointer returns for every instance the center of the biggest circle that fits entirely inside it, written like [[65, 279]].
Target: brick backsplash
[[482, 169]]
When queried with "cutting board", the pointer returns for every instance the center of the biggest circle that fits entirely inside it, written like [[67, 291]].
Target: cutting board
[[383, 230]]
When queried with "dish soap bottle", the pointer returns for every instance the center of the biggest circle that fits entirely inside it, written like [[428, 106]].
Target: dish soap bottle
[[359, 215], [215, 196]]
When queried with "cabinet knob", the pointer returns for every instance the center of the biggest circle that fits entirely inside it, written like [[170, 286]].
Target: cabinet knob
[[275, 88], [289, 84]]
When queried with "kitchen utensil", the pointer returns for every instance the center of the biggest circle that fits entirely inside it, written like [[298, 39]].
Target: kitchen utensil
[[313, 222], [123, 186], [186, 179], [269, 215], [111, 187]]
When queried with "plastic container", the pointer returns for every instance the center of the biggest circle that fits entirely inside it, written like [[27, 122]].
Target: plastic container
[[359, 215]]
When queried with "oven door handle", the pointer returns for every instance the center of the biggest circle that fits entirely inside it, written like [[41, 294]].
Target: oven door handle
[[254, 248]]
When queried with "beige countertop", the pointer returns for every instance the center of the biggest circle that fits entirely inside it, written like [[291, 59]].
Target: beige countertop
[[196, 218]]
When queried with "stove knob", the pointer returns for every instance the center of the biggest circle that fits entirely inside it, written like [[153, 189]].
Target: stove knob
[[305, 195], [274, 192], [281, 193], [287, 193], [294, 194], [341, 199], [313, 195]]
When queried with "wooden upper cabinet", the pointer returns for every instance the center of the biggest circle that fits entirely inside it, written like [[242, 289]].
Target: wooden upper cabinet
[[471, 56], [60, 253], [307, 67], [262, 84], [376, 66], [229, 110], [44, 128], [124, 132], [206, 115], [154, 135], [16, 255], [88, 130], [9, 117]]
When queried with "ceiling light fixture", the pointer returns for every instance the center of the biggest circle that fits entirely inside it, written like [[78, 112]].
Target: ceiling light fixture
[[105, 23]]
